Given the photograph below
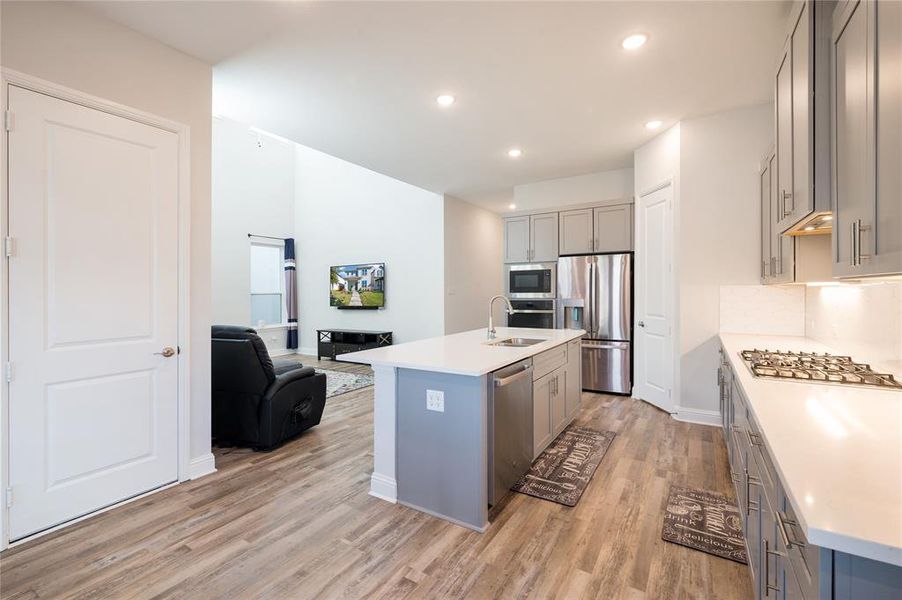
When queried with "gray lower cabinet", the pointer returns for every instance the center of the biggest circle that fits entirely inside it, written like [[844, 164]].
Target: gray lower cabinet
[[573, 380], [542, 430], [783, 564], [867, 138], [555, 392]]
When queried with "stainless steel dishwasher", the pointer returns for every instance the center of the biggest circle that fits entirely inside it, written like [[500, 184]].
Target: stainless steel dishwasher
[[511, 427]]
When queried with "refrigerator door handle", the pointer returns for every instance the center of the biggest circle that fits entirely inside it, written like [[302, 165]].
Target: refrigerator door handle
[[593, 297]]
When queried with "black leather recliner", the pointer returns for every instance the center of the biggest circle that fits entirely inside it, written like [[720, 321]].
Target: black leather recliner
[[257, 403]]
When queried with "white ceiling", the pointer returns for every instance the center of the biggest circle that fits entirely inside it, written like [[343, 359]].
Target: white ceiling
[[359, 80]]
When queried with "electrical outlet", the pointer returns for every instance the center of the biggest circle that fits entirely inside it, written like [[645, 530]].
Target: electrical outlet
[[435, 400]]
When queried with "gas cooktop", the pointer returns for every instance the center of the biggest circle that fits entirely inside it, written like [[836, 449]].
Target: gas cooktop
[[816, 368]]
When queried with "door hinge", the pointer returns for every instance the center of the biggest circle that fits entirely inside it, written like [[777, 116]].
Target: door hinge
[[9, 497], [8, 120], [9, 371], [9, 246]]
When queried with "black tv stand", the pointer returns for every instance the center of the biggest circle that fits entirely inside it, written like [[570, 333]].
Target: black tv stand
[[333, 342]]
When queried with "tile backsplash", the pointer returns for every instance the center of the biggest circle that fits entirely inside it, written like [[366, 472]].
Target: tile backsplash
[[762, 309], [861, 319]]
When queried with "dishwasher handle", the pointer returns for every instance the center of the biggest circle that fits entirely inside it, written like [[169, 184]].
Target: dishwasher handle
[[503, 381]]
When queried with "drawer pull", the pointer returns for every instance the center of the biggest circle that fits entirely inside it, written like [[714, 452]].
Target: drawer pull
[[782, 522], [768, 588]]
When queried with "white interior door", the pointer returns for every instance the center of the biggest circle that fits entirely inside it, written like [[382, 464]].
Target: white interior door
[[93, 286], [654, 298]]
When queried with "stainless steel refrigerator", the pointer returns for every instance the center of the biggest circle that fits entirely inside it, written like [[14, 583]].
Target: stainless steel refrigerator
[[595, 294]]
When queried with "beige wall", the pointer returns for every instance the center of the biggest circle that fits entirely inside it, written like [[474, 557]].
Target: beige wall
[[64, 44], [473, 265]]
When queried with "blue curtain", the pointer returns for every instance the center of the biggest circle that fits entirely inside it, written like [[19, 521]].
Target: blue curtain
[[291, 294]]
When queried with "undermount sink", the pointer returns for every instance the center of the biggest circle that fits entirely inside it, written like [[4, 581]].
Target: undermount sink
[[516, 342]]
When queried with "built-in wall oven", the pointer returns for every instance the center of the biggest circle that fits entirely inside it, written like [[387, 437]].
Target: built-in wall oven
[[531, 281], [532, 313]]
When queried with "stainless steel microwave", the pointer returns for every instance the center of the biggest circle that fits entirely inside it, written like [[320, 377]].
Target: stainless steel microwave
[[534, 280]]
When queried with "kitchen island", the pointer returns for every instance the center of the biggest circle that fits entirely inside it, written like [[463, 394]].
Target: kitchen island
[[433, 428]]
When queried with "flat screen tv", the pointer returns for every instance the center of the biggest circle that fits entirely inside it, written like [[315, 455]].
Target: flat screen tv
[[357, 286]]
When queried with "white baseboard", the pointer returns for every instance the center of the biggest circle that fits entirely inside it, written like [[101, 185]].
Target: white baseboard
[[384, 488], [307, 351], [697, 415], [202, 465]]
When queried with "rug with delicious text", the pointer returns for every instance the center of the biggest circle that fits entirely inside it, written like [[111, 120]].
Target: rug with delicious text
[[562, 472], [705, 521]]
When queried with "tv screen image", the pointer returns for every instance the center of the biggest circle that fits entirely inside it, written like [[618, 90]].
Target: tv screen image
[[357, 286]]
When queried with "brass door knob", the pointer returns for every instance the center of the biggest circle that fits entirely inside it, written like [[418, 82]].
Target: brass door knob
[[167, 352]]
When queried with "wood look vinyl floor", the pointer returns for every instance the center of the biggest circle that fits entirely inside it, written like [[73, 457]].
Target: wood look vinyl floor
[[298, 523]]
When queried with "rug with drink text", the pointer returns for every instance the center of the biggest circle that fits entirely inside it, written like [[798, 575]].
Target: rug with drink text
[[705, 521]]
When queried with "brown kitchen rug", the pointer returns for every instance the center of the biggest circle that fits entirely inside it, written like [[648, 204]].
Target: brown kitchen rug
[[563, 470], [704, 521]]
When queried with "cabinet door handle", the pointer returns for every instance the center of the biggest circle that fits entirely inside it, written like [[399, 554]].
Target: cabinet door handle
[[858, 229], [768, 588], [786, 196]]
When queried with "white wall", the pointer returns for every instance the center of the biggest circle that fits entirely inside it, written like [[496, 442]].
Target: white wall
[[346, 214], [657, 161], [719, 223], [582, 189], [473, 265], [64, 44], [253, 192]]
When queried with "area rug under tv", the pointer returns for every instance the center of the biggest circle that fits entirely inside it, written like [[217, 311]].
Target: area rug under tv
[[340, 382], [562, 472]]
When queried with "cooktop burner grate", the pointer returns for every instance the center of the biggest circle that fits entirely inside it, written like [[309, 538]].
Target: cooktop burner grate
[[819, 368]]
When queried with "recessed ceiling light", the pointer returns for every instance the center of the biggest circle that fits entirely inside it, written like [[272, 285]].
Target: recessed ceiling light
[[512, 206], [637, 40], [809, 228], [445, 100], [653, 124], [515, 153], [828, 217]]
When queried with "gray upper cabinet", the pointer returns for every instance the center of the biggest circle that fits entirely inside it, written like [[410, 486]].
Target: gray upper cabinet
[[783, 247], [764, 186], [600, 229], [576, 231], [802, 131], [531, 238], [783, 136], [867, 144], [543, 237], [613, 228], [516, 239], [778, 251]]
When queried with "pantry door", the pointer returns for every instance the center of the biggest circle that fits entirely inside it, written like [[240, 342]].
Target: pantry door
[[93, 310], [654, 298]]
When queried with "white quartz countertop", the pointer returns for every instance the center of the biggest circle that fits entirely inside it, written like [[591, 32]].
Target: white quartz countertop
[[838, 451], [464, 353]]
